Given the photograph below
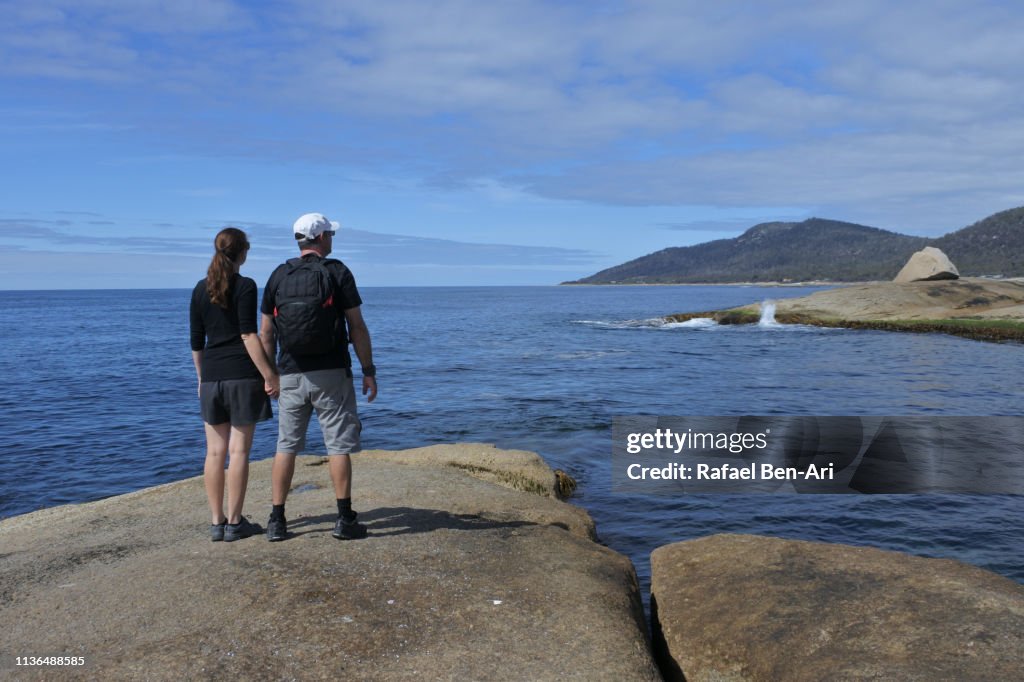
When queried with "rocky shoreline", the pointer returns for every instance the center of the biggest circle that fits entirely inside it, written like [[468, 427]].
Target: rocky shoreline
[[744, 607], [464, 576], [975, 308], [474, 569]]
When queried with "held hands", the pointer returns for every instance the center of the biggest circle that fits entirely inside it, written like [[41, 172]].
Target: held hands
[[370, 388], [273, 385]]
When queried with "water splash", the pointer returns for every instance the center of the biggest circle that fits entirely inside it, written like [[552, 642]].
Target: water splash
[[768, 314]]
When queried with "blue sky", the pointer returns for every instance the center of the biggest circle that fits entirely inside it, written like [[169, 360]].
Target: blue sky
[[488, 143]]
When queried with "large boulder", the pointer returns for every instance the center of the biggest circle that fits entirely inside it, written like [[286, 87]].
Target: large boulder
[[927, 264], [461, 578], [743, 607]]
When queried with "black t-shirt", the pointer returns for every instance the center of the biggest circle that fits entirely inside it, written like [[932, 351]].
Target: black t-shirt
[[345, 296], [217, 331]]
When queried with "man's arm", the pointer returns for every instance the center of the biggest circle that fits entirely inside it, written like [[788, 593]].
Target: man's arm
[[360, 337], [271, 381], [269, 340]]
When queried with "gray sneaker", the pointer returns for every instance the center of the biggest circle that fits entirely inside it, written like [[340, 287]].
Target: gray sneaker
[[217, 531], [277, 529], [243, 529], [349, 529]]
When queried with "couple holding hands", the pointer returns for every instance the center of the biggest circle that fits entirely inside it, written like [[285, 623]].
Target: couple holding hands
[[299, 355]]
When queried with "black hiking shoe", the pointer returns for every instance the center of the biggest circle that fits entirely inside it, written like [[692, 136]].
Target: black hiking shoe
[[243, 529], [277, 529], [217, 531], [349, 529]]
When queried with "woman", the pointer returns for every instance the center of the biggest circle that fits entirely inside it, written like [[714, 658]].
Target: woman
[[235, 379]]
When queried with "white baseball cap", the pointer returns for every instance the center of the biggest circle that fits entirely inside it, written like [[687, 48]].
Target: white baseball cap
[[312, 225]]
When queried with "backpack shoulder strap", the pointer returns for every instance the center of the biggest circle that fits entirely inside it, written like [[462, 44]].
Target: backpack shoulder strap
[[320, 266], [338, 270], [290, 266], [316, 265]]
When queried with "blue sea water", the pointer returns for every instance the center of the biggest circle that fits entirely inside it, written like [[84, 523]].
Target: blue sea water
[[100, 399]]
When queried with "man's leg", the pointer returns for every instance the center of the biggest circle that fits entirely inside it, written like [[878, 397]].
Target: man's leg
[[345, 526], [341, 476], [281, 483], [334, 398], [293, 411], [281, 476]]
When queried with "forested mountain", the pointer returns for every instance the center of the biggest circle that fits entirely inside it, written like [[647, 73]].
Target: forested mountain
[[993, 246], [818, 249]]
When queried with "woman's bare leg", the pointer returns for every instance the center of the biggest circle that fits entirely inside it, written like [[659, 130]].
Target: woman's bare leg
[[213, 472], [238, 469]]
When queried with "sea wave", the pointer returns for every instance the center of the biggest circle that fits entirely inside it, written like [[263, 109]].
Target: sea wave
[[695, 323], [650, 323]]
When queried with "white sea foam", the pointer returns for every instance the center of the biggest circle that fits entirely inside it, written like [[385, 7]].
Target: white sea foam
[[624, 324], [589, 354], [651, 323], [695, 323]]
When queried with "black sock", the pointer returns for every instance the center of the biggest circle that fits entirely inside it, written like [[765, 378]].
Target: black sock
[[277, 512], [345, 508]]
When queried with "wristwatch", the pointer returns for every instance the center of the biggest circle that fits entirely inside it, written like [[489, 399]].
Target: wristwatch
[[370, 371]]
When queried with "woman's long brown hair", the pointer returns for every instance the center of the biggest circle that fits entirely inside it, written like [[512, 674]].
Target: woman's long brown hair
[[230, 244]]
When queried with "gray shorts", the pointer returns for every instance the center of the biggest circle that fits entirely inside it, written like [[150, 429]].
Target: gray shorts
[[331, 393], [239, 401]]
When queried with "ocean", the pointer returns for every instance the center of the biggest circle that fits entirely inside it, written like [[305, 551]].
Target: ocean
[[101, 400]]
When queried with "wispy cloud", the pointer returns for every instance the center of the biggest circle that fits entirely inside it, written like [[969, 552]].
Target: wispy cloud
[[727, 226], [907, 115], [272, 243], [400, 250]]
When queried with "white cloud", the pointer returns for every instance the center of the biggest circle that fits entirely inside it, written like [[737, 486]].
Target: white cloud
[[907, 112], [271, 244]]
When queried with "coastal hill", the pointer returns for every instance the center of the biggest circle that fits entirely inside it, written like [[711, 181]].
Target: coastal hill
[[824, 250], [993, 246]]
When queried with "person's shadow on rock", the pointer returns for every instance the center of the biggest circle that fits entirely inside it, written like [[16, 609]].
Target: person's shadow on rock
[[385, 521]]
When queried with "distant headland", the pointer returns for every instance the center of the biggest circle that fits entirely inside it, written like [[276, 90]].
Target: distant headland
[[971, 307], [824, 251]]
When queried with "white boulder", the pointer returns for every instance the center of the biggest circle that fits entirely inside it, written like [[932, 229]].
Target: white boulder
[[928, 264]]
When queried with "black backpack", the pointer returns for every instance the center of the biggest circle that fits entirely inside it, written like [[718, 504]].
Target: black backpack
[[305, 318]]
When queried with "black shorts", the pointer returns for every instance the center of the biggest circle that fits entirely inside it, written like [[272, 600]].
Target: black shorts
[[239, 401]]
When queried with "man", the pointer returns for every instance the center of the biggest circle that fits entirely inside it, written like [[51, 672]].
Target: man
[[307, 304]]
